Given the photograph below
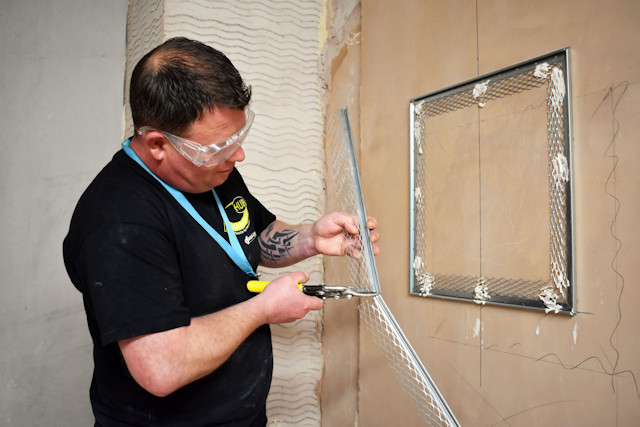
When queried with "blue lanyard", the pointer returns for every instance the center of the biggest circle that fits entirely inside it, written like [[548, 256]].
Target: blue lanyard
[[234, 250]]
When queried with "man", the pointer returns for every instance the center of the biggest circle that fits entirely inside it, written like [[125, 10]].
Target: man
[[178, 338]]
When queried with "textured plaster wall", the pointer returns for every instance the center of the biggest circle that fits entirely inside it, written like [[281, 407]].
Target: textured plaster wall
[[61, 97], [145, 30], [500, 366]]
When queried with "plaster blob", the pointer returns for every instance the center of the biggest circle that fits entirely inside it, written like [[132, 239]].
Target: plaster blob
[[478, 91], [550, 300], [418, 196], [426, 282], [560, 170], [558, 89], [542, 70], [476, 328], [418, 265], [481, 292]]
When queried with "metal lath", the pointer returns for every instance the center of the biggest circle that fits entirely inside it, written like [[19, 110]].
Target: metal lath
[[507, 84], [374, 313], [553, 293], [401, 357], [344, 178]]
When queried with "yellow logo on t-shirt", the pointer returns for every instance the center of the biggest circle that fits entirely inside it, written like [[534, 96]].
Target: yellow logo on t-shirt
[[239, 205]]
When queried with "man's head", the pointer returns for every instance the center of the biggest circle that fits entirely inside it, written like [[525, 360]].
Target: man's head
[[191, 115], [179, 81]]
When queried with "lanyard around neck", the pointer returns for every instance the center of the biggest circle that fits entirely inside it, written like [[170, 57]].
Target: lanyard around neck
[[232, 248]]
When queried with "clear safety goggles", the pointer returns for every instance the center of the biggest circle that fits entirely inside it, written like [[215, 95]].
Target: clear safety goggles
[[207, 155]]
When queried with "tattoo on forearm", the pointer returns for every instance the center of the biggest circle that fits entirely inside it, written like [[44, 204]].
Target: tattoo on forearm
[[276, 246]]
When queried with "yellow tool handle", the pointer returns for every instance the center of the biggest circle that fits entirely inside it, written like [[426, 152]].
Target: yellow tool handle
[[257, 286]]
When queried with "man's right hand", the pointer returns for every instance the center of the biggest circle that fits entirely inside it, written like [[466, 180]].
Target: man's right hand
[[282, 300]]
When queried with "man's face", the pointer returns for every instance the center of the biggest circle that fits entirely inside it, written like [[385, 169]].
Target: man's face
[[214, 127]]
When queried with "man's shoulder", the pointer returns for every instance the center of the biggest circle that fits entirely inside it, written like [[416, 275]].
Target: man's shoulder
[[121, 193]]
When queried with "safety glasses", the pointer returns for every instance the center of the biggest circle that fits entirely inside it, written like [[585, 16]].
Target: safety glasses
[[207, 155]]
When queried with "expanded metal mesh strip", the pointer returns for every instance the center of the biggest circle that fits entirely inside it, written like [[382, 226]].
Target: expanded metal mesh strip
[[464, 96], [514, 291], [343, 174], [558, 176], [403, 360]]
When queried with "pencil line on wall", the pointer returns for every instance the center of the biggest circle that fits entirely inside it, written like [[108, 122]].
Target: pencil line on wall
[[613, 229], [481, 332], [614, 96]]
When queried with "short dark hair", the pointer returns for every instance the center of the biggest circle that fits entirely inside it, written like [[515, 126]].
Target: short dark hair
[[180, 80]]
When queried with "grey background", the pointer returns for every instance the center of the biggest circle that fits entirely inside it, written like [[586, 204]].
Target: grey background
[[61, 99]]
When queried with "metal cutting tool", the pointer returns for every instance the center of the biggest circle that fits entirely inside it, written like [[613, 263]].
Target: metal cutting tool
[[321, 291]]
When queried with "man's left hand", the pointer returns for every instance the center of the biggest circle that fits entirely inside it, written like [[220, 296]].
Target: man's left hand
[[338, 234]]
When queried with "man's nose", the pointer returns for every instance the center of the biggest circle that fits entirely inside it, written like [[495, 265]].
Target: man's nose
[[238, 155]]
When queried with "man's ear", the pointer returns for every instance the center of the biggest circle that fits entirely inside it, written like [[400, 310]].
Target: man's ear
[[155, 143]]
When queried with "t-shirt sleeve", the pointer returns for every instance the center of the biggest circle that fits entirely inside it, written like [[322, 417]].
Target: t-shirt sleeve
[[133, 281], [263, 216]]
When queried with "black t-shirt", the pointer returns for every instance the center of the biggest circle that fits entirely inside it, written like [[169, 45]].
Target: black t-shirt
[[144, 265]]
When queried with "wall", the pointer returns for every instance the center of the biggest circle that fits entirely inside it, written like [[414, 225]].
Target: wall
[[61, 98], [500, 366]]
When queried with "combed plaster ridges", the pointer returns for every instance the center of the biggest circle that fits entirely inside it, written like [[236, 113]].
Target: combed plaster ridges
[[144, 32]]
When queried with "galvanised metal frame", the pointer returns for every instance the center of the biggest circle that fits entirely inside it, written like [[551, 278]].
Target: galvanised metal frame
[[516, 79]]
